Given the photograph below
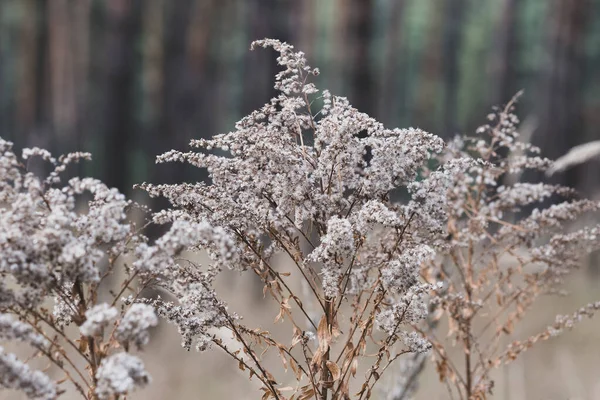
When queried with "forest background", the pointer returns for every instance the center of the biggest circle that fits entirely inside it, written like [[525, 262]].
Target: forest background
[[130, 79]]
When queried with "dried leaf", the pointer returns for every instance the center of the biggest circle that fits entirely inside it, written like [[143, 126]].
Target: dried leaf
[[317, 357], [83, 345], [375, 375], [335, 329], [282, 355], [271, 378], [267, 395], [307, 392], [354, 367], [324, 335], [334, 369], [296, 369], [349, 350]]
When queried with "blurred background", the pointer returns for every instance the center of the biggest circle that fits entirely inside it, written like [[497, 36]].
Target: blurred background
[[130, 79]]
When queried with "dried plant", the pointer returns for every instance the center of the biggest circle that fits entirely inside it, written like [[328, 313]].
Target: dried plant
[[314, 186], [54, 261], [501, 254], [300, 196]]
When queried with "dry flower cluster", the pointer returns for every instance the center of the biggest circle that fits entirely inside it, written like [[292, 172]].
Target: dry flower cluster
[[506, 247], [366, 279], [54, 261]]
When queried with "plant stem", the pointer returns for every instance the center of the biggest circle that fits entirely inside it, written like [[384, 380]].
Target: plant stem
[[324, 369]]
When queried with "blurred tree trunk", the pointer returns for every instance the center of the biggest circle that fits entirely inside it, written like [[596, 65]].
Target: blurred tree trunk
[[153, 26], [179, 102], [503, 60], [391, 95], [503, 57], [44, 126], [60, 29], [184, 91], [123, 27], [561, 96], [25, 95], [341, 55], [265, 19], [189, 86], [304, 25], [452, 43], [173, 96], [360, 33], [4, 121], [428, 112], [81, 68], [33, 121]]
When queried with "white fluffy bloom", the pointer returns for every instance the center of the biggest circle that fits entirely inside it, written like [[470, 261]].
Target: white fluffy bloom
[[199, 310], [376, 212], [97, 318], [134, 325], [120, 374], [184, 235], [336, 245], [410, 308], [443, 188], [17, 330], [44, 239], [14, 374], [402, 273]]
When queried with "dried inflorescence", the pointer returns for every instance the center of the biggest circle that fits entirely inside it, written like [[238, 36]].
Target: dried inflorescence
[[97, 318], [56, 253], [135, 324], [120, 374], [11, 329], [313, 184], [14, 374], [506, 246]]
